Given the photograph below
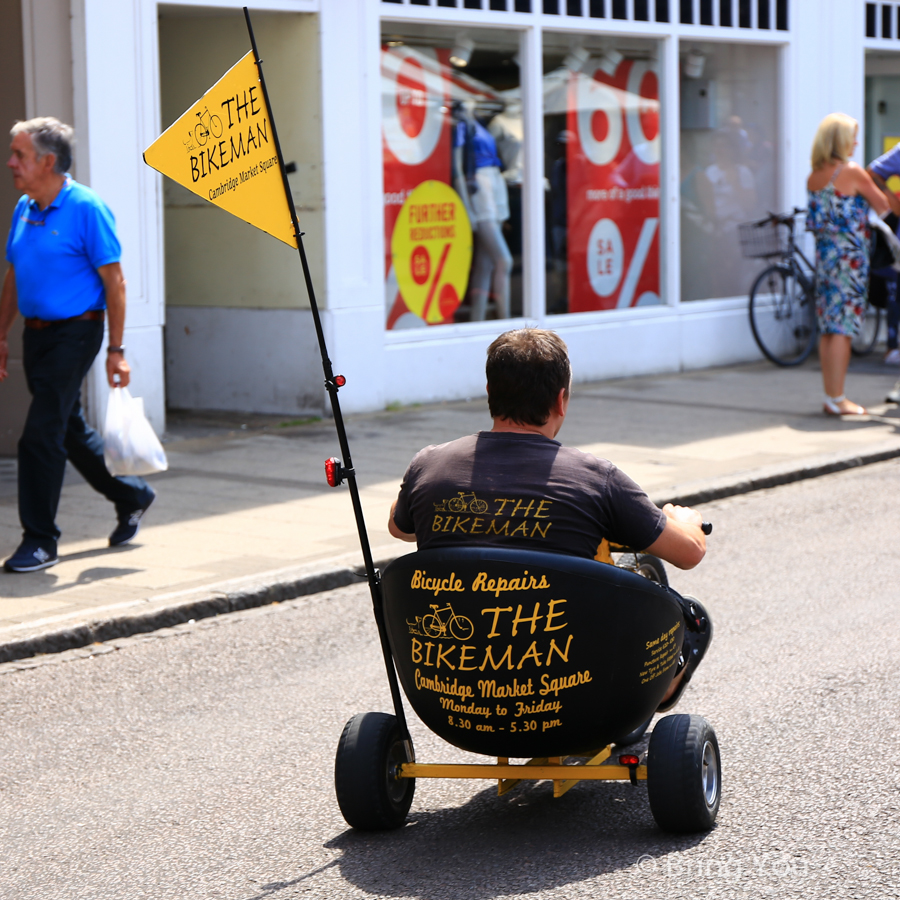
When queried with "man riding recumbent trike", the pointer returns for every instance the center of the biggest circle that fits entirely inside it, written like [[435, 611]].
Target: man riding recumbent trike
[[513, 632]]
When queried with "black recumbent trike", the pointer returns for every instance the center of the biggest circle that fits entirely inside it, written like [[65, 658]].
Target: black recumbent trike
[[519, 654]]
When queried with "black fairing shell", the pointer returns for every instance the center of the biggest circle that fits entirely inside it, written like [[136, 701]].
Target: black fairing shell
[[562, 684]]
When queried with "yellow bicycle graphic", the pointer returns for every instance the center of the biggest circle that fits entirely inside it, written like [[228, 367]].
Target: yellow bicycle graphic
[[465, 502], [459, 627]]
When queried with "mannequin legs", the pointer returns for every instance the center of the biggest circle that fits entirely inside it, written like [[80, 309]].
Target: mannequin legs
[[490, 271]]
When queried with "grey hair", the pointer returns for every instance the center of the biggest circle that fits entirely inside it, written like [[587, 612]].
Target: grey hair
[[49, 135]]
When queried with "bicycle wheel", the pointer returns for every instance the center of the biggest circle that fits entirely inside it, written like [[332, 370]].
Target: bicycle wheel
[[864, 342], [461, 628], [431, 625], [215, 126], [782, 316]]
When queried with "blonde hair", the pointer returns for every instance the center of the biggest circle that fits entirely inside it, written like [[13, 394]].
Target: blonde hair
[[834, 139]]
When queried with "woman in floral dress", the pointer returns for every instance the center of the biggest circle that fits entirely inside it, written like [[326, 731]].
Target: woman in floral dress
[[840, 194]]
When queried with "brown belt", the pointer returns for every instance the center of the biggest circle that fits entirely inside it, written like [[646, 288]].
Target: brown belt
[[95, 315]]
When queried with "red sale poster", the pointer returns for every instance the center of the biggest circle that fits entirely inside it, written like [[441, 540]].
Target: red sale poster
[[416, 126], [612, 162]]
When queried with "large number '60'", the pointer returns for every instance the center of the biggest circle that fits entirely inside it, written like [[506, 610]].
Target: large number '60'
[[595, 96]]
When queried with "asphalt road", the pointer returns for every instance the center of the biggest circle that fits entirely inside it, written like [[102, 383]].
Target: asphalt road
[[197, 762]]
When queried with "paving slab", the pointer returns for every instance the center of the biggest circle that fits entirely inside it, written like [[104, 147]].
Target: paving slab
[[244, 512]]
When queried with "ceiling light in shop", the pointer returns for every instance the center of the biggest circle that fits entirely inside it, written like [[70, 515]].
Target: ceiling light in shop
[[576, 58], [693, 64], [462, 51], [610, 60]]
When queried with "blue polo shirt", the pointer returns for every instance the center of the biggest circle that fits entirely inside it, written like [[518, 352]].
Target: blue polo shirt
[[887, 164], [56, 253]]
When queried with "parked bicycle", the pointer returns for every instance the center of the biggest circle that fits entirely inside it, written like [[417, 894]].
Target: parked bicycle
[[783, 297]]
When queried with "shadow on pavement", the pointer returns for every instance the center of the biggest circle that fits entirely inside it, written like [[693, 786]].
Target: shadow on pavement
[[500, 846]]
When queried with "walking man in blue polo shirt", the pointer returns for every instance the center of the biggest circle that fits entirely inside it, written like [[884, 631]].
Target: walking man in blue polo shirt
[[64, 277]]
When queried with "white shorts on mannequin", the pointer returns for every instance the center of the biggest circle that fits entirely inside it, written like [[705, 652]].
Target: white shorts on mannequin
[[491, 200]]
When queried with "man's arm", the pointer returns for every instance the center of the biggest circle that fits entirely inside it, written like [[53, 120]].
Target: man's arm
[[892, 198], [114, 284], [8, 309], [395, 531], [682, 542]]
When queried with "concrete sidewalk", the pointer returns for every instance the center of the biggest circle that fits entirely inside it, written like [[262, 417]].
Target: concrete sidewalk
[[244, 515]]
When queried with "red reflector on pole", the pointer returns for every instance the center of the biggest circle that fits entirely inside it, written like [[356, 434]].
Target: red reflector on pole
[[334, 472], [339, 380]]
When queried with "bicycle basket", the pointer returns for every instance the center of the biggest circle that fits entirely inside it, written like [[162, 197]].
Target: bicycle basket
[[760, 240]]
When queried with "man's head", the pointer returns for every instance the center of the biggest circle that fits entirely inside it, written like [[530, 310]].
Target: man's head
[[526, 370], [41, 154]]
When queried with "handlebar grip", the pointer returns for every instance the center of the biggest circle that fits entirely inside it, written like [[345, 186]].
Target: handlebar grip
[[706, 527]]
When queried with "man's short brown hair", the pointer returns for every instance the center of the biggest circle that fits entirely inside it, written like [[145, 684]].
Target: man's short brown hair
[[526, 370]]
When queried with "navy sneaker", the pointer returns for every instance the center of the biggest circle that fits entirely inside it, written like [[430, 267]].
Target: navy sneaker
[[31, 557], [130, 523]]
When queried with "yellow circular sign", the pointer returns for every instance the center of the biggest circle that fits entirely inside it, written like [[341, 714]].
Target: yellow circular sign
[[432, 251]]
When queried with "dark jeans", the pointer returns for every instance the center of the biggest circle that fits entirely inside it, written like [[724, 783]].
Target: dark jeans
[[56, 360], [890, 277]]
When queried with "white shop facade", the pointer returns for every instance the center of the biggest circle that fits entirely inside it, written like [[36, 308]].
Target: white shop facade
[[579, 165]]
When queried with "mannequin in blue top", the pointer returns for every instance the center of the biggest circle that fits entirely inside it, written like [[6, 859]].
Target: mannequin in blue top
[[477, 179], [64, 276]]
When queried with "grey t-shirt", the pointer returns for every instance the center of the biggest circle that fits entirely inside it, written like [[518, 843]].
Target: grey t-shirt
[[522, 491]]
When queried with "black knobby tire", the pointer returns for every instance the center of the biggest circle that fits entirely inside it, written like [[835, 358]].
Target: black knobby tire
[[782, 317], [646, 564], [369, 754], [864, 343], [684, 774]]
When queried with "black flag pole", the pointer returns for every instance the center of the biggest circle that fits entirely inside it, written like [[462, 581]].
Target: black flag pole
[[333, 383]]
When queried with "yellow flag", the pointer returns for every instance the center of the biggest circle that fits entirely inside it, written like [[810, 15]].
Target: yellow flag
[[223, 149]]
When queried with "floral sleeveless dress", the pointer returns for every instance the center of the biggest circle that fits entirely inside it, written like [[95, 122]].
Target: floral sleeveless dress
[[840, 225]]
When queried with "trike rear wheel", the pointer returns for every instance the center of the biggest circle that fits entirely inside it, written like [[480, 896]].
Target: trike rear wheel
[[369, 792]]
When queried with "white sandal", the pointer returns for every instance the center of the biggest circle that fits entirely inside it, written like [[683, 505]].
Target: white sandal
[[832, 407]]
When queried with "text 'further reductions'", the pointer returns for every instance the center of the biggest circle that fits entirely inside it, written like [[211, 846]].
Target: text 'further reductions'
[[223, 149]]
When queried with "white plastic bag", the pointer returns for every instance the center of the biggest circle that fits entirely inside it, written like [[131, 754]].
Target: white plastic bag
[[130, 446]]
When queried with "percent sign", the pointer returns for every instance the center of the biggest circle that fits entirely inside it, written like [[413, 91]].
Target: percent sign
[[448, 299]]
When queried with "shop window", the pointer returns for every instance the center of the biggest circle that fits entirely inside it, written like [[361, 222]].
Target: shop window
[[744, 14], [453, 165], [551, 7], [762, 12], [597, 9], [662, 10], [687, 12], [887, 17], [729, 161], [619, 9], [706, 12], [882, 120], [871, 13], [573, 7], [602, 161]]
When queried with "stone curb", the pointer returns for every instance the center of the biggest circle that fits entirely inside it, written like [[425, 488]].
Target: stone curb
[[217, 603]]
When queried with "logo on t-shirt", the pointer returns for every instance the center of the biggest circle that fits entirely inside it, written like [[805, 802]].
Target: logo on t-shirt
[[468, 514]]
